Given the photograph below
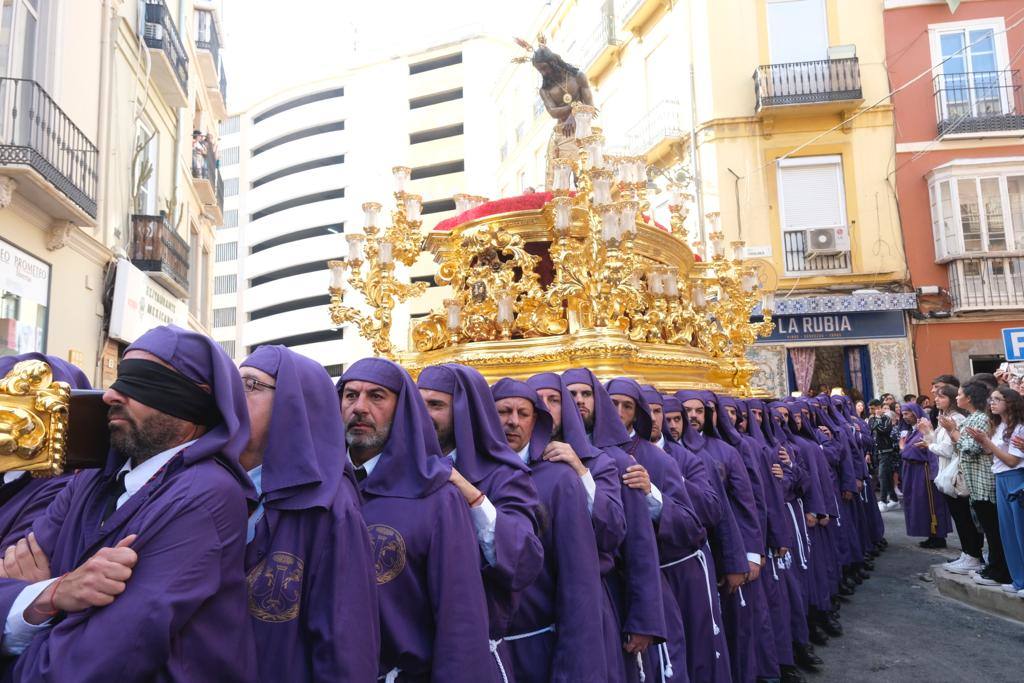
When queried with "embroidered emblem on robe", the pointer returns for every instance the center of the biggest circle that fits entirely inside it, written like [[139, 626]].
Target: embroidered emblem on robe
[[388, 549], [275, 587]]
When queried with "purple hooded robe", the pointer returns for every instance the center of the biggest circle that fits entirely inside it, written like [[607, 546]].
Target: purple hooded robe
[[924, 508], [635, 585], [312, 584], [182, 616], [27, 497], [433, 612], [567, 593], [486, 461]]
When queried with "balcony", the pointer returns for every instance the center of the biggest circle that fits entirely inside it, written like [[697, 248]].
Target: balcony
[[828, 85], [592, 52], [211, 68], [658, 131], [798, 262], [633, 14], [207, 180], [170, 61], [53, 162], [979, 104], [219, 97], [986, 283], [161, 253]]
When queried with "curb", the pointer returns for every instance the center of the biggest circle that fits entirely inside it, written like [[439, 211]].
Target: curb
[[988, 598]]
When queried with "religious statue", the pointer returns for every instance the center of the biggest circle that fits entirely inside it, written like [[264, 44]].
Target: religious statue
[[561, 85]]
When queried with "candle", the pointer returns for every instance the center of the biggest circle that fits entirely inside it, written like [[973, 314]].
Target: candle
[[583, 115], [738, 250], [355, 248], [768, 302], [602, 186], [371, 210], [505, 309], [627, 218], [413, 207], [609, 223], [563, 175], [671, 280], [384, 257], [748, 282], [699, 297], [401, 174], [463, 202], [677, 192], [655, 281], [454, 313], [563, 214], [337, 274]]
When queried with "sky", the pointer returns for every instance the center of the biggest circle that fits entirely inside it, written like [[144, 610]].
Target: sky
[[270, 45]]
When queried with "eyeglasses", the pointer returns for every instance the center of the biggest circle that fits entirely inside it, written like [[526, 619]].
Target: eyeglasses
[[996, 399], [251, 384]]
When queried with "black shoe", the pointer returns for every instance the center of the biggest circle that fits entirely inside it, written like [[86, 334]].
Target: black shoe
[[832, 628], [856, 578], [805, 657], [845, 590], [816, 635], [790, 674], [863, 574], [883, 544], [868, 565]]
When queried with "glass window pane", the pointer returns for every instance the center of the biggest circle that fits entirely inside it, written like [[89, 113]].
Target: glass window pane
[[993, 203], [952, 43], [949, 227], [969, 214], [24, 301], [1015, 188], [982, 51]]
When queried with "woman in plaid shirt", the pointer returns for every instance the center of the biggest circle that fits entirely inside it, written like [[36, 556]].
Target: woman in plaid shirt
[[976, 465]]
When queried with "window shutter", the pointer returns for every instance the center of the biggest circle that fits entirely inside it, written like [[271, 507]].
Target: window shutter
[[811, 195]]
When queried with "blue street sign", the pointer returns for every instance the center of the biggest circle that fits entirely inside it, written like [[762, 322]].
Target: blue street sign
[[1013, 343]]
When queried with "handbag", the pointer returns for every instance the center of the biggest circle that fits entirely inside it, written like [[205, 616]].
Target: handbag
[[950, 480]]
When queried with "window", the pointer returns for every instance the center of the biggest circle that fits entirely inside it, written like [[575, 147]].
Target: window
[[812, 204], [970, 57], [228, 346], [299, 135], [227, 251], [435, 63], [144, 177], [228, 156], [977, 214], [230, 218], [297, 202], [299, 102], [230, 126], [299, 168], [435, 98], [436, 133], [297, 305], [230, 187], [224, 317], [434, 170], [24, 301], [298, 235], [797, 31], [225, 284]]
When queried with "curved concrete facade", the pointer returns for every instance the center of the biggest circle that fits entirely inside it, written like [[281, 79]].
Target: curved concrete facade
[[309, 157]]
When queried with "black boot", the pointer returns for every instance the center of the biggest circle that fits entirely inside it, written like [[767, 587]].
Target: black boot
[[805, 657], [868, 565], [790, 674], [816, 635], [830, 627], [846, 588], [832, 619]]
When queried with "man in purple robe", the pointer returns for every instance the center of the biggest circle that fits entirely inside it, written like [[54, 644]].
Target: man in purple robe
[[311, 579], [23, 497], [635, 586], [146, 554], [494, 481], [555, 633], [739, 614], [607, 499], [679, 531], [433, 613]]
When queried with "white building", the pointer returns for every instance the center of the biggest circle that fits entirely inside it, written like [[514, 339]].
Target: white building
[[298, 165]]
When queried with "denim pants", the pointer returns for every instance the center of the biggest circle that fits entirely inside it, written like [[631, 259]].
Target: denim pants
[[889, 463], [1011, 523]]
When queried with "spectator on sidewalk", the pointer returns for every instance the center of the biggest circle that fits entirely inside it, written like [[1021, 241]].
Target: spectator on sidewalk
[[887, 456]]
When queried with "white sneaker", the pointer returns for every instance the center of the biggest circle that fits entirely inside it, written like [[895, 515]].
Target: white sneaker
[[892, 506], [982, 581], [967, 565], [1008, 588], [882, 507], [948, 566], [899, 492], [1020, 593]]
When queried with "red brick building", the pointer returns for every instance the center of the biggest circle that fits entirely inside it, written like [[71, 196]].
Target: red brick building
[[959, 174]]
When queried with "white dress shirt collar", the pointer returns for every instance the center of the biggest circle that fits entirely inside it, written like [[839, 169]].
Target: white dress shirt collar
[[138, 476], [525, 454], [660, 443], [368, 465]]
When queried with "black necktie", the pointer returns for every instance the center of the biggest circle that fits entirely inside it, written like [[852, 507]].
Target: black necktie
[[360, 473], [115, 491]]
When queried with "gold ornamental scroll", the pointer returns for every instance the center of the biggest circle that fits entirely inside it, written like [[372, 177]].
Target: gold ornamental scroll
[[46, 427]]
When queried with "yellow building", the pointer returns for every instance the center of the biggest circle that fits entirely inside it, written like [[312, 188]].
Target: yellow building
[[786, 104], [99, 102]]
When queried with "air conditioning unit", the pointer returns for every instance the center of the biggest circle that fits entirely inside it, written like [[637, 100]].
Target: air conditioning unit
[[826, 242]]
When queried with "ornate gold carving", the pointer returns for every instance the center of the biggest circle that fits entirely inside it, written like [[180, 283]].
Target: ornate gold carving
[[33, 419]]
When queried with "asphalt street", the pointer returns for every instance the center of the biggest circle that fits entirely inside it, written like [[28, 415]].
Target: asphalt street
[[897, 627]]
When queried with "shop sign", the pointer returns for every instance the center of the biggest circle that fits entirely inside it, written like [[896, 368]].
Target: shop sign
[[141, 304], [837, 326], [23, 275]]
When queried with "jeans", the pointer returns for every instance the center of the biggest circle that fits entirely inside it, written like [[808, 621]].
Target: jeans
[[1011, 524], [989, 519], [889, 464], [971, 540]]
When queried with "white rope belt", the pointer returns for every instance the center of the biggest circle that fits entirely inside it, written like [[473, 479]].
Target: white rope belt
[[531, 634], [699, 554], [640, 667], [836, 500], [807, 534], [666, 662], [743, 603], [495, 643], [391, 676], [799, 536]]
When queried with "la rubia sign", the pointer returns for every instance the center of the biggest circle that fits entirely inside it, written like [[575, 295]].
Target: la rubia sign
[[838, 326]]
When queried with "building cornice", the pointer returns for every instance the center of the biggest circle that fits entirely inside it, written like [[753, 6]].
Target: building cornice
[[900, 4]]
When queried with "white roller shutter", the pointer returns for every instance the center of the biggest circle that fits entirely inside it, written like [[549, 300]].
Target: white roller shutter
[[811, 193]]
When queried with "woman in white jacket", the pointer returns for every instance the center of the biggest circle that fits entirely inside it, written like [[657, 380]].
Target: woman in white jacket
[[940, 443]]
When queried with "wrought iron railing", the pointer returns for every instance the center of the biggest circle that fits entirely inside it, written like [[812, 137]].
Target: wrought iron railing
[[162, 34], [157, 249], [826, 80], [206, 167], [224, 87], [35, 132], [664, 120], [985, 283], [207, 37], [978, 102], [602, 34], [794, 244], [624, 9]]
